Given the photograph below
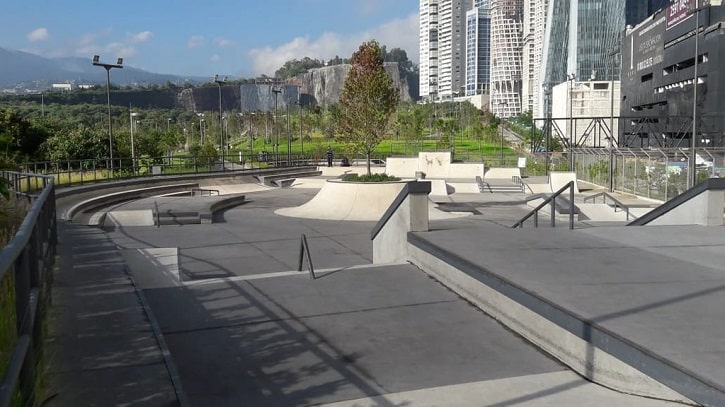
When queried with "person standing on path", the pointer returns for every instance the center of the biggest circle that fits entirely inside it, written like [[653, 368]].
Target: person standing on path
[[329, 156]]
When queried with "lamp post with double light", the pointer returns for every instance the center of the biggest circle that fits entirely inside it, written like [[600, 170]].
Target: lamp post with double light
[[501, 125], [133, 115], [219, 81], [277, 90], [695, 9], [570, 78], [108, 67]]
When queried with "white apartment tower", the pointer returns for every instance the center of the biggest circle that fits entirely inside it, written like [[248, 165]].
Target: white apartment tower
[[534, 30], [506, 57], [441, 48], [428, 66]]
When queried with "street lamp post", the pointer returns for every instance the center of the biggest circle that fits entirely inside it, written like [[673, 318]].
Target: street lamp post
[[692, 179], [614, 50], [571, 77], [501, 125], [108, 67], [277, 90], [133, 151], [219, 83], [302, 140]]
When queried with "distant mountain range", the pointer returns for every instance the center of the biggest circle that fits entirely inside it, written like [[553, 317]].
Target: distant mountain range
[[27, 71]]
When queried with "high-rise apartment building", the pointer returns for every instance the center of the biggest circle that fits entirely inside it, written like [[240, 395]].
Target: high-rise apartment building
[[506, 57], [532, 47], [478, 48], [428, 39], [442, 47]]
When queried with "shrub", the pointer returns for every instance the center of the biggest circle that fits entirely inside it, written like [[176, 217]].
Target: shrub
[[370, 178]]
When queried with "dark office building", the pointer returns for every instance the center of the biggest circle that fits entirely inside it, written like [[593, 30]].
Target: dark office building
[[658, 86]]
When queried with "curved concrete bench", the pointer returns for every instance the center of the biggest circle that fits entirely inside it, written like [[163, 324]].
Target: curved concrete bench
[[115, 197]]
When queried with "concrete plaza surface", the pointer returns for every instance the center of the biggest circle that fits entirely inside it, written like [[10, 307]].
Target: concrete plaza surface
[[216, 314]]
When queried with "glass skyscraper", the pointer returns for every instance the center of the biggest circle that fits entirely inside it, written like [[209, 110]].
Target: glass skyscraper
[[478, 48], [583, 38]]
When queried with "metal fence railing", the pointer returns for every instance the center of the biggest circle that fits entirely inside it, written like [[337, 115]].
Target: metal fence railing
[[656, 173], [79, 172], [26, 264]]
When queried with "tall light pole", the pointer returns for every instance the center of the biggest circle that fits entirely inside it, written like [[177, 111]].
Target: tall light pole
[[219, 83], [570, 78], [277, 90], [108, 67], [692, 179], [133, 151], [302, 140], [612, 51], [501, 125]]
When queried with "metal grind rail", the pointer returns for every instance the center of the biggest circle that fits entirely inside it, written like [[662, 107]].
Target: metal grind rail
[[605, 195], [551, 200]]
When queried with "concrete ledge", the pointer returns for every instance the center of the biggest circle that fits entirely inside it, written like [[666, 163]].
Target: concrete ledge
[[586, 348], [226, 203], [114, 197]]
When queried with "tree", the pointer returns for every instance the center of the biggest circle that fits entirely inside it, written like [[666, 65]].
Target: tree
[[368, 100]]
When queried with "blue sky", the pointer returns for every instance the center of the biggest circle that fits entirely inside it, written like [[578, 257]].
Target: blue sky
[[242, 38]]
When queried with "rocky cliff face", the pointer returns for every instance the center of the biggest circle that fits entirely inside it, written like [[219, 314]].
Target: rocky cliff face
[[321, 86], [324, 85]]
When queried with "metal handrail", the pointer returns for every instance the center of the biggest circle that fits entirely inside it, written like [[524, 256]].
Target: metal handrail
[[30, 256], [305, 252], [552, 201], [605, 195], [516, 179]]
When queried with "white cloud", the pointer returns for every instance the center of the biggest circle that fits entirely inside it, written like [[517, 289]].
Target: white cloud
[[143, 36], [399, 33], [215, 58], [38, 34], [223, 42], [368, 7], [195, 41]]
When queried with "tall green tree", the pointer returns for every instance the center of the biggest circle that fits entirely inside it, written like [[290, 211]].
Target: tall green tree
[[368, 100]]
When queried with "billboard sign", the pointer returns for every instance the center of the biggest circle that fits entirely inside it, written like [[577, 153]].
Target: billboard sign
[[679, 11], [646, 45]]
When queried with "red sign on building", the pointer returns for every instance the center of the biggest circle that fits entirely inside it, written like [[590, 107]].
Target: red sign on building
[[679, 11]]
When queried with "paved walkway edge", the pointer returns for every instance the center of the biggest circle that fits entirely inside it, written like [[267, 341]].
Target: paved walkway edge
[[165, 352], [570, 340]]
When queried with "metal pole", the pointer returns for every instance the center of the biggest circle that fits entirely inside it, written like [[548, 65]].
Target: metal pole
[[302, 140], [611, 130], [289, 139], [110, 127], [693, 163]]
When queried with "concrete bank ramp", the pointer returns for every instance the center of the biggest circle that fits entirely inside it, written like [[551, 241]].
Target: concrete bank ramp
[[338, 200]]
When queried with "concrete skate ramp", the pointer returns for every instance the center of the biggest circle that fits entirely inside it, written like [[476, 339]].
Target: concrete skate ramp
[[557, 180], [338, 200]]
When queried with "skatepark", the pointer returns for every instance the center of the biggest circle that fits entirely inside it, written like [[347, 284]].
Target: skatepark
[[208, 305]]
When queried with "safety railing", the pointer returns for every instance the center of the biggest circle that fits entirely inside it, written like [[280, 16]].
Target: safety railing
[[28, 261], [516, 179], [617, 203], [551, 200], [305, 253]]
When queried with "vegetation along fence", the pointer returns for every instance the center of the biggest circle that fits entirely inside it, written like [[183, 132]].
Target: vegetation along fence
[[656, 173], [26, 265]]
